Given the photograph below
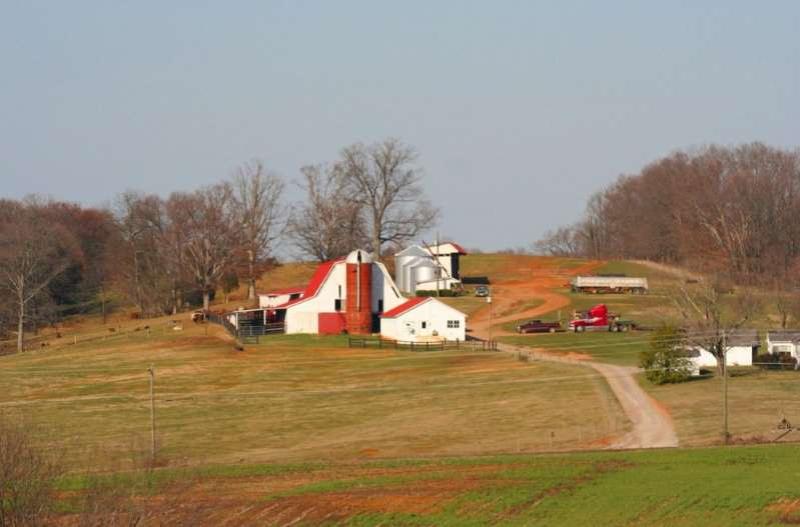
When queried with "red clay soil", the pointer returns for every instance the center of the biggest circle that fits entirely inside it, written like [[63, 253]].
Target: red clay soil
[[247, 501], [540, 286]]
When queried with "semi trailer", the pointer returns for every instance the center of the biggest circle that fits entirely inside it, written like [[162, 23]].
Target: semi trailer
[[609, 284]]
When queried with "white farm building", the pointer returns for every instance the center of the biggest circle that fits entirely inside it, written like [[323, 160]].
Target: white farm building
[[352, 295], [743, 346], [423, 319], [784, 342]]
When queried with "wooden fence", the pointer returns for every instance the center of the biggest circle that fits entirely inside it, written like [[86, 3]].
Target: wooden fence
[[442, 345]]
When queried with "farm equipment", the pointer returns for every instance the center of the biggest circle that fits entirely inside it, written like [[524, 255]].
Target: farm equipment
[[538, 326], [598, 318], [609, 284]]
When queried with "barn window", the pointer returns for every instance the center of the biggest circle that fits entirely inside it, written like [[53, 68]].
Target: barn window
[[453, 324], [337, 304], [424, 325]]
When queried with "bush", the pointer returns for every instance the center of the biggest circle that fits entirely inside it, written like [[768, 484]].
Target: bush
[[775, 361], [27, 476], [664, 361]]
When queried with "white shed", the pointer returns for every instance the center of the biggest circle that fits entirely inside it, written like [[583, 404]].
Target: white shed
[[784, 342], [423, 319], [742, 349]]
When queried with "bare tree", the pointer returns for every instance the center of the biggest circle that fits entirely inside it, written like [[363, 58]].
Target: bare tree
[[212, 236], [383, 179], [710, 313], [564, 241], [149, 261], [32, 255], [328, 224], [260, 215]]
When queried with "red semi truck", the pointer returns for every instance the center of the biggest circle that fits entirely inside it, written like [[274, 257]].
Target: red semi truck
[[598, 318]]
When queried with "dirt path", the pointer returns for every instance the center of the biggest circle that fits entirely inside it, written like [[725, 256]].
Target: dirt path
[[652, 425], [540, 286]]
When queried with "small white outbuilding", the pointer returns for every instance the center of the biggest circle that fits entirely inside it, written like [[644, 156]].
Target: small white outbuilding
[[743, 346], [423, 319], [784, 342]]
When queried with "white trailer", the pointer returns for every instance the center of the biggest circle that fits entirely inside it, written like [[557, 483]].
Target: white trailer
[[609, 284]]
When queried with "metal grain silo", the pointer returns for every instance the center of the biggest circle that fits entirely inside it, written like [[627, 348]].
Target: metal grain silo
[[404, 262]]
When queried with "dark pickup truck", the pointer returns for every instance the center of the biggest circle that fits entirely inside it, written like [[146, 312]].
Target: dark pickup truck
[[537, 326]]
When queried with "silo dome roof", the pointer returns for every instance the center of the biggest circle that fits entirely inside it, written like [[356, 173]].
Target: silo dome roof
[[359, 256]]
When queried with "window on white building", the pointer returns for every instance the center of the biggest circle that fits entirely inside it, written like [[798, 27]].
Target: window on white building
[[453, 324], [424, 325]]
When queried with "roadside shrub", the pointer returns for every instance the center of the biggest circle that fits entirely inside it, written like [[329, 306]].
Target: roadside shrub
[[665, 361], [775, 361], [27, 476]]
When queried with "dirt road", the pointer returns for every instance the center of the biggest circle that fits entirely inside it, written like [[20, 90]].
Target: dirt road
[[652, 424]]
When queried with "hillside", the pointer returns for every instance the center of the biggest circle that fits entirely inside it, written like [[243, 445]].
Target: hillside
[[305, 428]]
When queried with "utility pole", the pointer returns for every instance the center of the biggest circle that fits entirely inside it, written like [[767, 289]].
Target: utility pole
[[152, 373], [725, 435], [489, 301], [438, 265]]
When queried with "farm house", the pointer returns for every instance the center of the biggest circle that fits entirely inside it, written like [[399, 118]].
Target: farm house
[[784, 343], [428, 268], [743, 346], [423, 319], [344, 295]]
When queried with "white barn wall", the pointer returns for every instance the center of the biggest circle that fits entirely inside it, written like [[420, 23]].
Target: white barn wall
[[303, 317], [383, 287], [735, 356], [265, 301]]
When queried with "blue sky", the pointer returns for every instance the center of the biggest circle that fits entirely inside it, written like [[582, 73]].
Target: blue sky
[[519, 110]]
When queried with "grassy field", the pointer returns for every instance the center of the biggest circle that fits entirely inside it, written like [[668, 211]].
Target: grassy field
[[615, 348], [757, 401], [734, 486], [300, 398]]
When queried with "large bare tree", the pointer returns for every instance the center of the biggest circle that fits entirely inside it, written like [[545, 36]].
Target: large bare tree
[[328, 224], [711, 313], [260, 214], [32, 254], [213, 236], [384, 179]]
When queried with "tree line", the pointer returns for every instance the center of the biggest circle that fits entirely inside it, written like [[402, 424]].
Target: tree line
[[730, 210], [164, 254]]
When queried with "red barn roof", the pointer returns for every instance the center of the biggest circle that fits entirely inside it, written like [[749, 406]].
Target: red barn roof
[[405, 306], [314, 285], [285, 291]]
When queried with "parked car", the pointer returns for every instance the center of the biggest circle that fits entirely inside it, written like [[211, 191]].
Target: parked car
[[482, 291], [537, 326]]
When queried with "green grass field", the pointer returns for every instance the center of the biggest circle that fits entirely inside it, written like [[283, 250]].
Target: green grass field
[[615, 348], [734, 486]]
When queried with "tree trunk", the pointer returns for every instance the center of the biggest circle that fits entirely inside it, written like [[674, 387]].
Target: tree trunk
[[103, 301], [206, 299], [21, 326]]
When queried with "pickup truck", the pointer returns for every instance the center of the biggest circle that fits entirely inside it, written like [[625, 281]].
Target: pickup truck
[[537, 326]]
